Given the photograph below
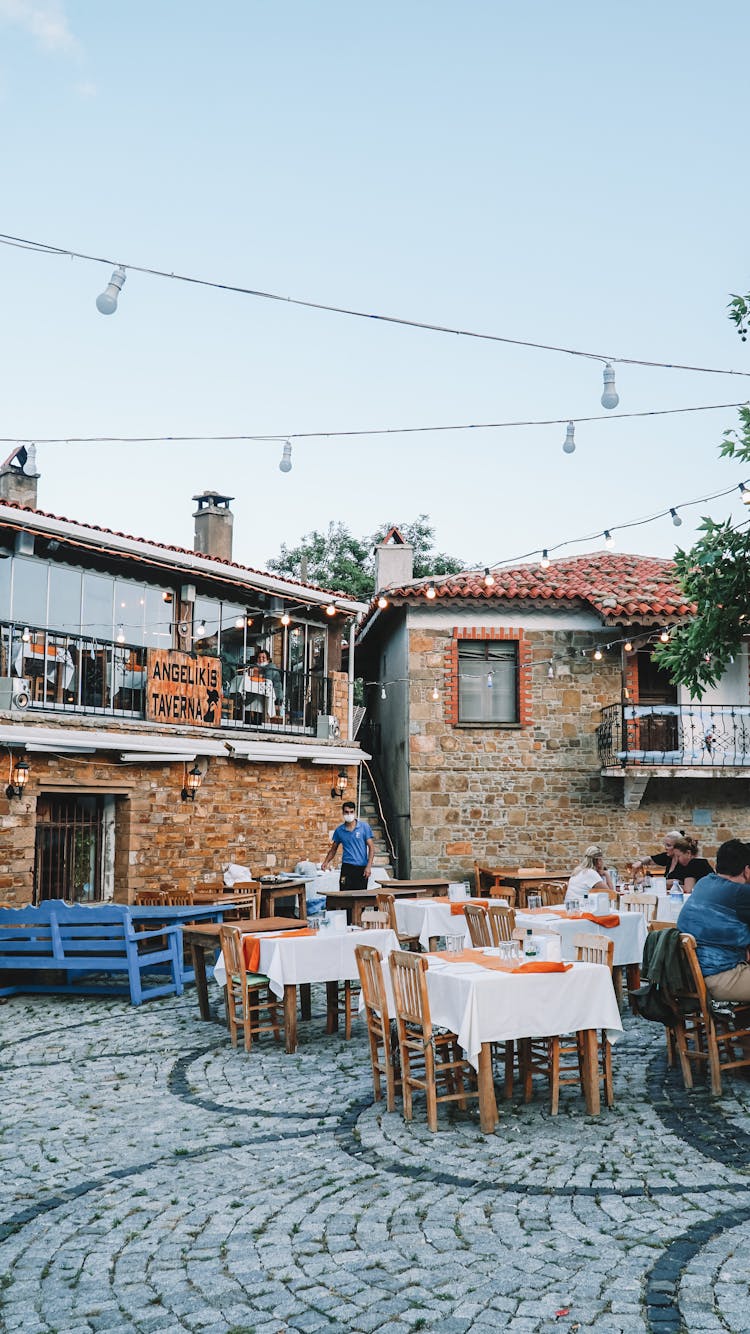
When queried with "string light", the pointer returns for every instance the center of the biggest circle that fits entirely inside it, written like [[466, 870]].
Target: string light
[[628, 646], [569, 443], [490, 681], [239, 623], [598, 655], [330, 609], [201, 629], [551, 670], [285, 618], [286, 458], [121, 633], [489, 577], [664, 637], [26, 636], [609, 541], [745, 493], [382, 691], [42, 247], [676, 520], [382, 602], [544, 562], [106, 302], [431, 590], [610, 397], [435, 692]]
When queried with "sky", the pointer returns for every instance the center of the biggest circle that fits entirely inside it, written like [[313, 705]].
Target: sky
[[570, 175]]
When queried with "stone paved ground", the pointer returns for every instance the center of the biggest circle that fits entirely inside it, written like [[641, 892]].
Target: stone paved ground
[[156, 1180]]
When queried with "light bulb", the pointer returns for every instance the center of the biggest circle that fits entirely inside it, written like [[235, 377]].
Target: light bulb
[[239, 623], [676, 520], [106, 302], [121, 633], [550, 671], [201, 629], [628, 646], [745, 493], [569, 445], [598, 655], [610, 397], [26, 636], [664, 636], [489, 577], [544, 562], [431, 590], [286, 619], [286, 458], [382, 692], [489, 680], [609, 541], [382, 602], [435, 691], [330, 609]]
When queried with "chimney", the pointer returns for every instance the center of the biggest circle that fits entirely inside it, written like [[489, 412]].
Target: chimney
[[394, 561], [19, 477], [213, 525]]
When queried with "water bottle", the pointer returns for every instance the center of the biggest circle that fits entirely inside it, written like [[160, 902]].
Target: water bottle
[[530, 949]]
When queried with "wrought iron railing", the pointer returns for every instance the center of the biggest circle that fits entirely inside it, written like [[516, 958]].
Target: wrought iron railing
[[706, 736], [75, 674]]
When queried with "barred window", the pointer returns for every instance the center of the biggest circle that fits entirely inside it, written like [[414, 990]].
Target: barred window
[[488, 681]]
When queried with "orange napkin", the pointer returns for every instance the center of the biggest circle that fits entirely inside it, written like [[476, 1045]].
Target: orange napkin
[[609, 920], [457, 907], [543, 966], [251, 946]]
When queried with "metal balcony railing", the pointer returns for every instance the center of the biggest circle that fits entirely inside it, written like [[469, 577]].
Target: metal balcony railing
[[706, 736], [74, 674]]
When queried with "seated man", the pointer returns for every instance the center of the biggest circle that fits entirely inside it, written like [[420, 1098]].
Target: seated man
[[718, 915]]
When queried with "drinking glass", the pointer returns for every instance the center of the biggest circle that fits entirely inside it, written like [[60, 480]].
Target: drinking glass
[[572, 905], [534, 900], [454, 943]]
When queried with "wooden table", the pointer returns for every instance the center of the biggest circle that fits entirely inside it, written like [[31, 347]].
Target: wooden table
[[417, 887], [287, 889], [354, 900], [203, 939], [528, 881]]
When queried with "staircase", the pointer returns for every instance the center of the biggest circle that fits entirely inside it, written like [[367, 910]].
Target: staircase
[[369, 811]]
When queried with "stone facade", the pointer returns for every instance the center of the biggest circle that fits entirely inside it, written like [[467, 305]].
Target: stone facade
[[533, 793]]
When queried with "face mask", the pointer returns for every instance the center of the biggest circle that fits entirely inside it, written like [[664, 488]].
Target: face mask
[[350, 817]]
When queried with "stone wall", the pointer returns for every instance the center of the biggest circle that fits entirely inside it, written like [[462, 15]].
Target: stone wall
[[534, 794]]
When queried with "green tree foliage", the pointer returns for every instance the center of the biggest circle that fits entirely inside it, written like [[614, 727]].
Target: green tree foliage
[[715, 574], [337, 560]]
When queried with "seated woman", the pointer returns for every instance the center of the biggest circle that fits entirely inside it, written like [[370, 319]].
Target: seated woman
[[690, 867], [590, 875], [667, 858]]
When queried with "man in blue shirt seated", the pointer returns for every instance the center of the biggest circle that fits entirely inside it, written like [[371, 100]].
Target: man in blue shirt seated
[[717, 913], [357, 849]]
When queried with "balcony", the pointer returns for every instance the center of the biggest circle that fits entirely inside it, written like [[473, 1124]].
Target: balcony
[[71, 674], [692, 739]]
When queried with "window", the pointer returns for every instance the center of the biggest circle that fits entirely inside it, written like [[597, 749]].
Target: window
[[488, 681]]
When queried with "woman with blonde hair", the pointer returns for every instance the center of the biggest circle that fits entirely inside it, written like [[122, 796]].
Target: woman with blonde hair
[[667, 858], [590, 875]]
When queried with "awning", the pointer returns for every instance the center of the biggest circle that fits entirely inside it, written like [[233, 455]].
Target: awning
[[132, 748]]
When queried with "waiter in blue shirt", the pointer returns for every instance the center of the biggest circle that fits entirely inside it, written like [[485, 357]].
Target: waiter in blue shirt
[[357, 849]]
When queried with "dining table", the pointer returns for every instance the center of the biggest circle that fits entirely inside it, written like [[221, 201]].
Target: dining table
[[203, 938], [292, 887], [430, 918], [525, 881], [309, 956], [484, 1001], [354, 901]]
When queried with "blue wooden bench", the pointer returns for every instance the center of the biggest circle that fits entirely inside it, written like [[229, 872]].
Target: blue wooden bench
[[81, 942]]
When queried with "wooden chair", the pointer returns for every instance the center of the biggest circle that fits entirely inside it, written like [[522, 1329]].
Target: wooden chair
[[369, 967], [709, 1036], [476, 920], [147, 898], [387, 903], [427, 1058], [551, 895], [643, 903], [251, 1005], [502, 922], [498, 891], [374, 919], [560, 1060], [180, 898]]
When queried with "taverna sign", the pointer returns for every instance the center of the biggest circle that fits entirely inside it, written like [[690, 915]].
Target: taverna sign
[[181, 688]]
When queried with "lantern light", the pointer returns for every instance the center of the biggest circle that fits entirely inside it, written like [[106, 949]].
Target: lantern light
[[191, 782], [340, 784], [19, 777]]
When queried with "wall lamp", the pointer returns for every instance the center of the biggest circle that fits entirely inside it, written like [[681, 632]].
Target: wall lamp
[[340, 784], [192, 780], [19, 777]]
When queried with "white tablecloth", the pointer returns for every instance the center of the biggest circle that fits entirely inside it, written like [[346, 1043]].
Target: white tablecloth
[[426, 918], [248, 684], [629, 936], [326, 956]]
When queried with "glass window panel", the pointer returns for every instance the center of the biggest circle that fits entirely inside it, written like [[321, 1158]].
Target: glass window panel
[[5, 569], [232, 641], [157, 631], [488, 682], [130, 603], [98, 595], [29, 591], [65, 598], [206, 616]]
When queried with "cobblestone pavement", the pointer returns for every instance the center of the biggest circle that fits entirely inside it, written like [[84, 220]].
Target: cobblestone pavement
[[155, 1179]]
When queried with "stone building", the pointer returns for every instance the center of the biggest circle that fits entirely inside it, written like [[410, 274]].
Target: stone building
[[162, 710], [515, 718]]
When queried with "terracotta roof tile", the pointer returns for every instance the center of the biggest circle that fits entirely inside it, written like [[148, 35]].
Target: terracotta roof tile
[[606, 581]]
